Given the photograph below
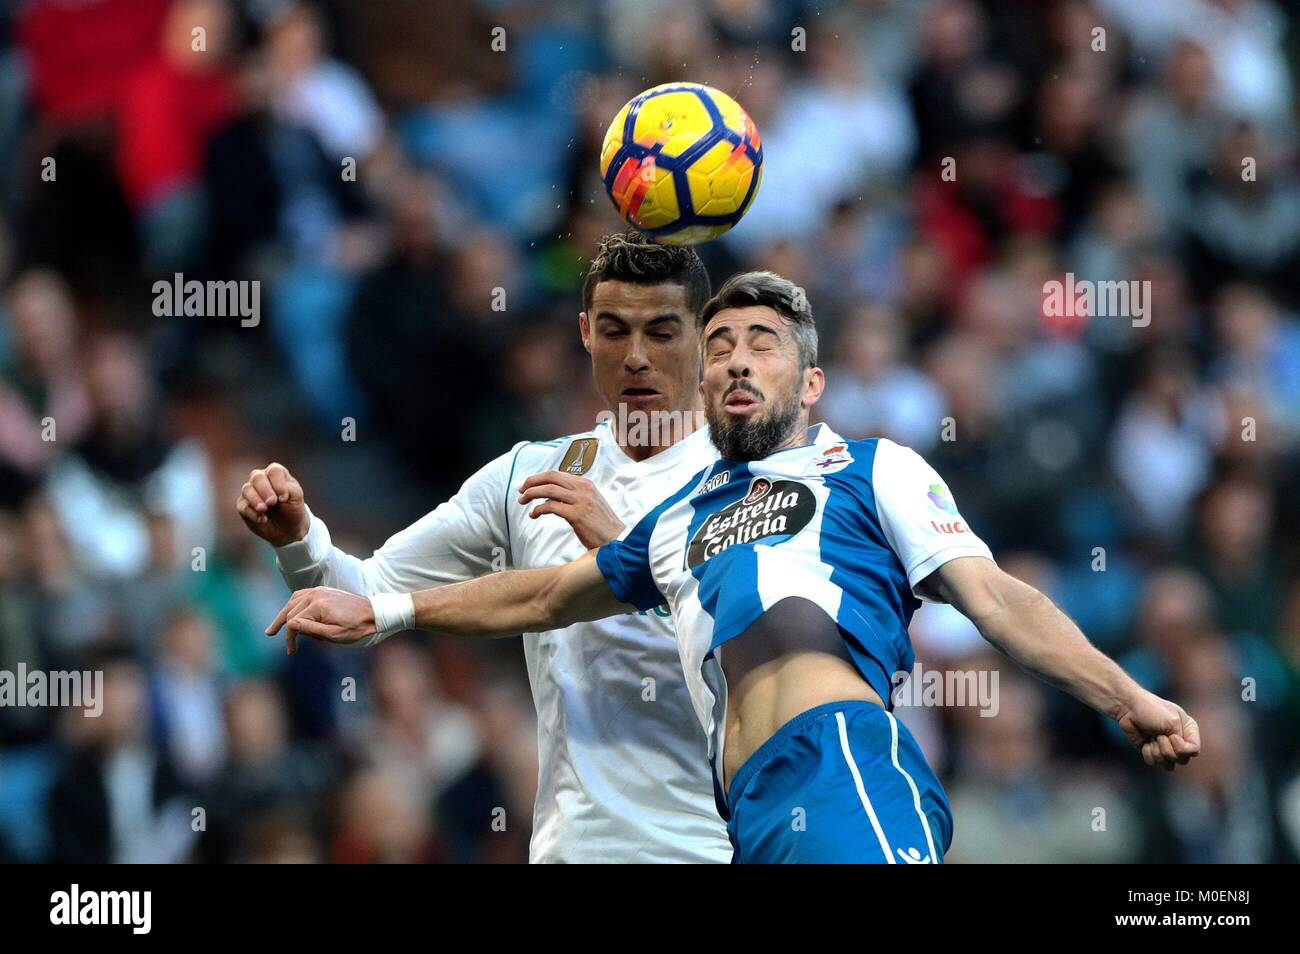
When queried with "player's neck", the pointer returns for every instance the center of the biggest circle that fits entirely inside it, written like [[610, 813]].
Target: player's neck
[[798, 437], [646, 437]]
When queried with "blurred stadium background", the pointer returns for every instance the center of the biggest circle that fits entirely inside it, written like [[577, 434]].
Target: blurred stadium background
[[475, 171]]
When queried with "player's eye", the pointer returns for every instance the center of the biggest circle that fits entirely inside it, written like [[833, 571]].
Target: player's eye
[[661, 335]]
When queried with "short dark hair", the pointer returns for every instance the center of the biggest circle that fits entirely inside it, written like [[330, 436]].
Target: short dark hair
[[780, 294], [631, 257]]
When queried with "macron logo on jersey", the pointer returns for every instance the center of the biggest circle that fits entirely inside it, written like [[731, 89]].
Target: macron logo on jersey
[[714, 482]]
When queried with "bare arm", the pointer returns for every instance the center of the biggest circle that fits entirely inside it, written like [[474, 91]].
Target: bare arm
[[1025, 625], [463, 538], [519, 601], [500, 604]]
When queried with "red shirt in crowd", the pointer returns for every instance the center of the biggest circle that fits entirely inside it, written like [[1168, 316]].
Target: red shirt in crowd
[[80, 52], [166, 118]]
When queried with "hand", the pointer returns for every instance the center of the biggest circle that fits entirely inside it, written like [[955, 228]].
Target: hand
[[577, 500], [321, 612], [272, 506], [1166, 735]]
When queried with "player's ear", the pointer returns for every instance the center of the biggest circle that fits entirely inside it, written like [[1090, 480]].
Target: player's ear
[[584, 330], [814, 385]]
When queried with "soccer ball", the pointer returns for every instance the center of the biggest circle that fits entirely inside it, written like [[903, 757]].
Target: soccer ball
[[682, 162]]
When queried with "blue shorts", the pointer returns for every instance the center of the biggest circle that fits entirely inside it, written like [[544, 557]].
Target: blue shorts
[[841, 783]]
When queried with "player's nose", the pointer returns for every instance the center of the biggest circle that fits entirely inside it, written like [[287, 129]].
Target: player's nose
[[636, 359], [739, 366]]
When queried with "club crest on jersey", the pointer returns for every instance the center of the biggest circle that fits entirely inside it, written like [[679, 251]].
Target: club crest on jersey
[[757, 490], [580, 456], [770, 509], [832, 459]]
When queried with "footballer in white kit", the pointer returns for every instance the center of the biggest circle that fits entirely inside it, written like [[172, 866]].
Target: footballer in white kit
[[622, 768], [622, 760]]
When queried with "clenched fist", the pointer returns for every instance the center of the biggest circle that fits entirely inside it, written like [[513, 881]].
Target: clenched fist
[[272, 506], [1161, 730]]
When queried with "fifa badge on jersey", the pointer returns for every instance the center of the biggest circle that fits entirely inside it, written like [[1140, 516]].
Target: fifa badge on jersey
[[832, 459], [580, 456]]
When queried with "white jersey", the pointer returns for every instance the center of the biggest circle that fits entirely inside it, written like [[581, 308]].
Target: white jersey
[[623, 771], [853, 526]]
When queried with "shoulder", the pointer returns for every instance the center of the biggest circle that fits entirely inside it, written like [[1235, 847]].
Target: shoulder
[[892, 455], [880, 453], [875, 467], [573, 453], [525, 457], [536, 451], [901, 479]]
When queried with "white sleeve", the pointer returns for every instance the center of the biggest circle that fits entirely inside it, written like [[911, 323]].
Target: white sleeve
[[918, 513], [463, 538]]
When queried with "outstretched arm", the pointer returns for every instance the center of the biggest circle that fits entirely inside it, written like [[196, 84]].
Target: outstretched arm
[[466, 537], [519, 601], [1027, 626], [500, 604]]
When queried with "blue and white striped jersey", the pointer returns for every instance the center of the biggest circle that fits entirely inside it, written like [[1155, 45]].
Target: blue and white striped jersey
[[853, 526]]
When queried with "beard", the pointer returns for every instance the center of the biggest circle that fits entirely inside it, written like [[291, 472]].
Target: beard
[[753, 438]]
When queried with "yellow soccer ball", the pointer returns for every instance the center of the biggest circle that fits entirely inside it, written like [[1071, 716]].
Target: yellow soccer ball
[[682, 162]]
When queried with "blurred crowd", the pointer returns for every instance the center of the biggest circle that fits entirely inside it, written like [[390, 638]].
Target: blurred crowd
[[391, 172]]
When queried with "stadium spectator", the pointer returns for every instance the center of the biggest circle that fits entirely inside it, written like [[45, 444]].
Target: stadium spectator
[[930, 168], [118, 798]]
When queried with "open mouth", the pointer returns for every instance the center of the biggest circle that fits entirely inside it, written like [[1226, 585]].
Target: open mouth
[[640, 395], [740, 400]]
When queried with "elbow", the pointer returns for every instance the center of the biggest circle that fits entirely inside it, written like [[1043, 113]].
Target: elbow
[[989, 600], [1000, 599], [542, 616], [544, 611]]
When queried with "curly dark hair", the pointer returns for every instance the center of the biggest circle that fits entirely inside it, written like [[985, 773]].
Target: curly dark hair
[[631, 257]]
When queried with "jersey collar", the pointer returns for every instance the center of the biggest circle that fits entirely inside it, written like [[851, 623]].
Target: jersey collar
[[819, 435], [664, 459]]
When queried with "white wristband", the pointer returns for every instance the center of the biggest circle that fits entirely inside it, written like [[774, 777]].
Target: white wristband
[[394, 612]]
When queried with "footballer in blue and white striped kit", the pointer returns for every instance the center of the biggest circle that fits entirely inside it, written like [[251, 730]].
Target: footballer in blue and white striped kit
[[844, 528], [792, 566]]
